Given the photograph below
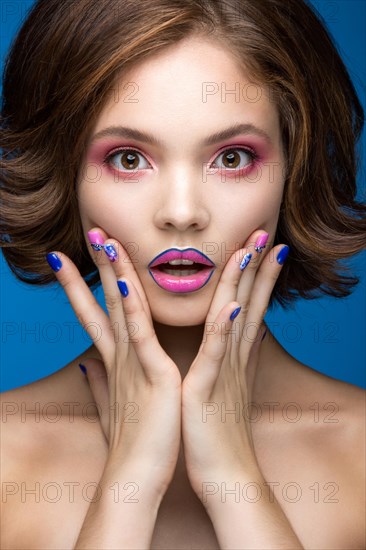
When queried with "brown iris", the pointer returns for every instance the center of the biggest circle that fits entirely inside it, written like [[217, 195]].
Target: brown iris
[[232, 157], [129, 160]]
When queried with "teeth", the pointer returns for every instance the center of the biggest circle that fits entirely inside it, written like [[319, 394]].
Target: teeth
[[181, 262], [181, 273]]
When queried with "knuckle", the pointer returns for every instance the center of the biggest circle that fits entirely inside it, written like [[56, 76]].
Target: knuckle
[[99, 376], [254, 263], [112, 301], [252, 266], [263, 311], [270, 274], [69, 282], [82, 313], [99, 258], [80, 316], [147, 337], [244, 309], [274, 275], [225, 281], [210, 314], [213, 356], [236, 283]]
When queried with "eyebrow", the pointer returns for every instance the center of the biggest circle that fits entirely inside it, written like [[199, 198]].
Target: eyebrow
[[132, 133]]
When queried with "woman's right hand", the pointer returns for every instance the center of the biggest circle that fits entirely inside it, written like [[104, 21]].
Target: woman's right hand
[[144, 384]]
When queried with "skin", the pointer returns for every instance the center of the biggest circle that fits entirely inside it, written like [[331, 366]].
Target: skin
[[170, 205], [180, 213], [168, 199]]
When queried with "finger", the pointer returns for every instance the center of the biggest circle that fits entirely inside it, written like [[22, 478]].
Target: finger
[[227, 288], [253, 359], [244, 293], [248, 275], [89, 313], [97, 238], [121, 262], [151, 355], [262, 289], [206, 367], [97, 377]]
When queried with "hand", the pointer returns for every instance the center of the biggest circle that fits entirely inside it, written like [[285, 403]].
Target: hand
[[218, 445], [139, 393]]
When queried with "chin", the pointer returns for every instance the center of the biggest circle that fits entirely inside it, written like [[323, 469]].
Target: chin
[[178, 316]]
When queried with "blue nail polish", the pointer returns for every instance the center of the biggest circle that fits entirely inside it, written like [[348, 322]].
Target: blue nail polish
[[111, 252], [123, 288], [82, 368], [96, 247], [245, 261], [54, 261], [235, 313], [283, 253]]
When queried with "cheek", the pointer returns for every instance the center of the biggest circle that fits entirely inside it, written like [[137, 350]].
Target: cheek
[[255, 207], [102, 208]]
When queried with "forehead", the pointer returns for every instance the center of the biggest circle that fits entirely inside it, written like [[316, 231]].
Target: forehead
[[192, 87]]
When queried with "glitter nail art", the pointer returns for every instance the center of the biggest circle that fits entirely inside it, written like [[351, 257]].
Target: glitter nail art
[[245, 261], [111, 252], [96, 240], [261, 242]]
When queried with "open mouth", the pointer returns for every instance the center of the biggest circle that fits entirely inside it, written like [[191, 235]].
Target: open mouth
[[180, 269]]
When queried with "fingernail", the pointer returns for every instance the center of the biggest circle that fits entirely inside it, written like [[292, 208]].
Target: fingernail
[[123, 288], [235, 313], [54, 261], [82, 368], [265, 332], [245, 261], [111, 252], [96, 240], [261, 242], [283, 253]]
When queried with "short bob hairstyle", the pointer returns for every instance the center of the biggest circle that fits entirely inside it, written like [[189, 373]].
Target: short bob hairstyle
[[64, 65]]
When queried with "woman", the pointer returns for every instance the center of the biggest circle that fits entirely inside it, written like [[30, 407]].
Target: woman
[[130, 152]]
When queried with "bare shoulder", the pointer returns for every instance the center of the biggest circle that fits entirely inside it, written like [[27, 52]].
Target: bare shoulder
[[303, 393], [45, 448], [346, 403], [337, 409], [318, 424], [334, 438], [44, 415], [20, 419], [334, 401]]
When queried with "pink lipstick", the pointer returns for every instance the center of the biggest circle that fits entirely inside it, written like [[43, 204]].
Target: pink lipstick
[[181, 270]]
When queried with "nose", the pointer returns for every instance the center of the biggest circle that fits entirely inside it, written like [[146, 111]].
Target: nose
[[182, 204]]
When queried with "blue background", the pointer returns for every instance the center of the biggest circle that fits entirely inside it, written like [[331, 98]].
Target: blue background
[[39, 330]]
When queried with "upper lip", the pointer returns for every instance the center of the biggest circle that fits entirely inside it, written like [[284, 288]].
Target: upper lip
[[176, 254]]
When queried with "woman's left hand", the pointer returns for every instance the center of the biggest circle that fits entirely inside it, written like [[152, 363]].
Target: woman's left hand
[[217, 391]]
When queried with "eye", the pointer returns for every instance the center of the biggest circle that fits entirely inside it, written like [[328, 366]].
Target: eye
[[129, 160], [233, 158]]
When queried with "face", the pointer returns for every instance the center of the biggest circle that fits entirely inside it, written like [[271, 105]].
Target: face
[[188, 187]]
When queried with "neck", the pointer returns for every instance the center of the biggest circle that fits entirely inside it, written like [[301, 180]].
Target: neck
[[180, 343]]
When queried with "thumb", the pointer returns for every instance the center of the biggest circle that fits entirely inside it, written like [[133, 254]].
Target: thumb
[[96, 374]]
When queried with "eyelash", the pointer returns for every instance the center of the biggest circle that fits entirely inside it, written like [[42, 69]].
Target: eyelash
[[252, 154]]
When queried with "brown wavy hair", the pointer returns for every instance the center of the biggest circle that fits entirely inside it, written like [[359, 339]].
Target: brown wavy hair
[[64, 63]]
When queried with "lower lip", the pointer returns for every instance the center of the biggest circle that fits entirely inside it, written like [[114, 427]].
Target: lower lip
[[181, 283]]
